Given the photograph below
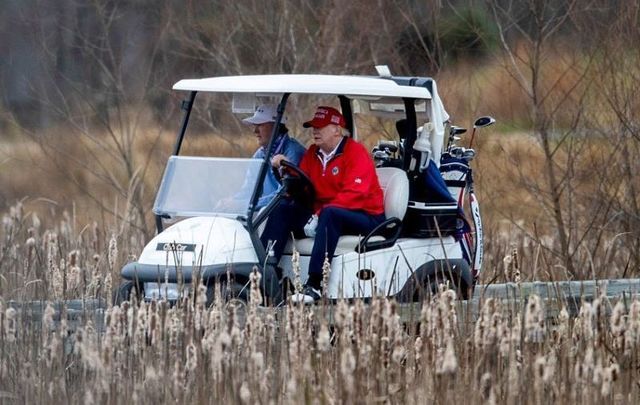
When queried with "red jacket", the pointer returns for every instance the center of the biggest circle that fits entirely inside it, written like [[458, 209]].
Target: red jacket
[[349, 180]]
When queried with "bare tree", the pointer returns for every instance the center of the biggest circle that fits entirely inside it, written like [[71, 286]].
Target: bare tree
[[530, 34], [617, 123], [102, 101]]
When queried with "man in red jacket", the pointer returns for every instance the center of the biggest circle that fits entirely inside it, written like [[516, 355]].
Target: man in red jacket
[[349, 200]]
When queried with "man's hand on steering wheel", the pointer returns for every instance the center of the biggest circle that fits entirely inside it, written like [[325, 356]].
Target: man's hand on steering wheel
[[297, 183]]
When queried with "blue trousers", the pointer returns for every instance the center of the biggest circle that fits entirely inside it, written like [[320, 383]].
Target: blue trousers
[[290, 217]]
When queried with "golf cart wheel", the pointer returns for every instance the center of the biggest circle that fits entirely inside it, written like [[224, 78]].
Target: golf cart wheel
[[127, 291], [229, 291], [434, 283]]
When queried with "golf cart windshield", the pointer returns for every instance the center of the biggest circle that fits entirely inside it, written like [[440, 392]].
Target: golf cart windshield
[[198, 186]]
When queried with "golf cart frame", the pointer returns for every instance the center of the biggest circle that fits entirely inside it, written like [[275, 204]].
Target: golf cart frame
[[440, 260]]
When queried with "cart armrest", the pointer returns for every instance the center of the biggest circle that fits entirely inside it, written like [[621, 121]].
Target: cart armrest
[[390, 229]]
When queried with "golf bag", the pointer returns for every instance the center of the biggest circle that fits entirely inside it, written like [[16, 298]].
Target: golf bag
[[458, 177]]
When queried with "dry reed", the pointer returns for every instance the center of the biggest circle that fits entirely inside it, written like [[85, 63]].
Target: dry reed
[[154, 352]]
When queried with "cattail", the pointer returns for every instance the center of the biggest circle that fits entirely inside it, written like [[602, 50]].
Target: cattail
[[609, 375], [112, 253], [16, 212], [72, 257], [516, 329], [506, 267], [583, 326], [192, 358], [449, 364], [35, 221], [618, 324], [324, 339], [326, 269], [295, 264], [597, 373], [513, 377], [154, 324], [534, 320], [245, 393], [74, 277], [48, 317], [108, 285], [562, 330], [292, 390], [342, 315], [398, 354], [256, 296], [632, 334], [201, 295], [89, 398], [489, 324], [30, 242], [175, 322], [417, 348], [347, 367], [486, 388], [583, 369], [200, 309], [515, 265], [141, 326], [7, 224], [52, 349], [480, 327], [549, 367], [257, 361], [538, 368], [504, 340], [10, 325]]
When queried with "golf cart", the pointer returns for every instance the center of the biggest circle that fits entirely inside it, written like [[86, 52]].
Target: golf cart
[[212, 202]]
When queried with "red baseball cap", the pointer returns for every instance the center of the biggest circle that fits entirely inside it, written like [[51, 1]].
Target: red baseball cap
[[325, 116]]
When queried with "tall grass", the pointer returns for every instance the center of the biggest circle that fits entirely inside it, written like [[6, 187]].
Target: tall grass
[[153, 352]]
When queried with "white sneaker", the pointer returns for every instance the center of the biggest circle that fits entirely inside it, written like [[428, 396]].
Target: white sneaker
[[309, 295]]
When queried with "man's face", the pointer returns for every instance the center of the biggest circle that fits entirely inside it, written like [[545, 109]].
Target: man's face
[[327, 138], [263, 133]]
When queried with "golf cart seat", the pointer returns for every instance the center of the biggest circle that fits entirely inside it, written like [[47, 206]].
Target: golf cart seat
[[395, 187]]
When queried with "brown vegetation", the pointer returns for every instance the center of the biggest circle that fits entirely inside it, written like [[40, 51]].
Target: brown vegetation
[[556, 178], [153, 352]]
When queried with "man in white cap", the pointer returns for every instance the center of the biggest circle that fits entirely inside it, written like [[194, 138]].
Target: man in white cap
[[263, 121]]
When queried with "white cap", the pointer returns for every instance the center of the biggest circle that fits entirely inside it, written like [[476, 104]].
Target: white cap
[[264, 113]]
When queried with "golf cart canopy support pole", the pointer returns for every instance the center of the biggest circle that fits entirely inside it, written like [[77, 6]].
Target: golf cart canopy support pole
[[412, 128], [187, 105], [345, 106], [257, 191]]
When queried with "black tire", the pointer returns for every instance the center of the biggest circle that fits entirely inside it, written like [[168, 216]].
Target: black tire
[[427, 289], [127, 291], [433, 284], [235, 298], [229, 290], [423, 283]]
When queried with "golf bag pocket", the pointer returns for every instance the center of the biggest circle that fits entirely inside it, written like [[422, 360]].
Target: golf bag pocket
[[431, 220]]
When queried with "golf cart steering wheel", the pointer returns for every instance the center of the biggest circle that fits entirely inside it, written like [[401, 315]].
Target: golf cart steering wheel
[[297, 184]]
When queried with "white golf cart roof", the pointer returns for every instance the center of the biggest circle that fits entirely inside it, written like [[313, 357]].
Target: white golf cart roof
[[363, 87]]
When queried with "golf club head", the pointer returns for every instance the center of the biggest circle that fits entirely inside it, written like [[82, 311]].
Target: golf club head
[[457, 152], [484, 122], [468, 154], [457, 130], [389, 147]]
